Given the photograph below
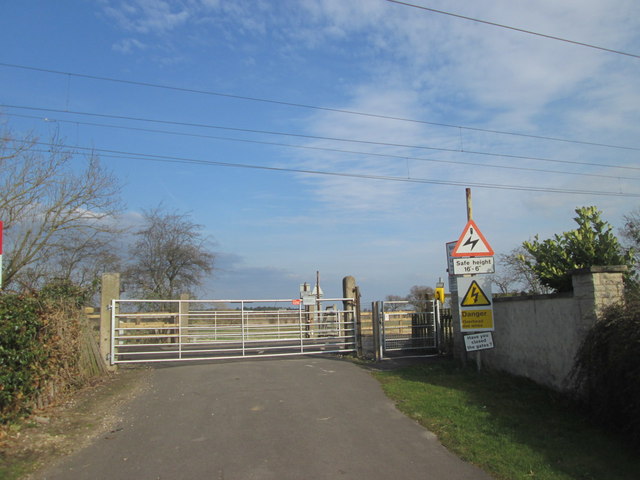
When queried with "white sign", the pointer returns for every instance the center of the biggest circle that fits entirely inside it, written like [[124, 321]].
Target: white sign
[[308, 300], [472, 243], [473, 265], [478, 341]]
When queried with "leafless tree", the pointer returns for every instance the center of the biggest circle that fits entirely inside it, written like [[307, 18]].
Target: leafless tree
[[631, 234], [419, 295], [513, 275], [170, 256], [391, 307], [48, 195], [82, 257]]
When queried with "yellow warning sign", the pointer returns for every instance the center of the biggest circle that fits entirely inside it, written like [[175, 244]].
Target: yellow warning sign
[[475, 297], [476, 320]]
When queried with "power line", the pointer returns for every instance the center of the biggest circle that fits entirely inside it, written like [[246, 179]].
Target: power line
[[172, 159], [317, 137], [516, 29], [315, 107], [325, 149]]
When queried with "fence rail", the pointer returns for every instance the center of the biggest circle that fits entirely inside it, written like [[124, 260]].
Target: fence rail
[[180, 330]]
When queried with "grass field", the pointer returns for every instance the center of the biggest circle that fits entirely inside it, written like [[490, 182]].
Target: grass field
[[509, 426]]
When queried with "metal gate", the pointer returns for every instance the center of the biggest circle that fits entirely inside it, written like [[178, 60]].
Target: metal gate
[[406, 330], [186, 330]]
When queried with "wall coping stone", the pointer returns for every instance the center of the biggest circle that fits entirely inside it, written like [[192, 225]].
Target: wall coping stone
[[600, 269]]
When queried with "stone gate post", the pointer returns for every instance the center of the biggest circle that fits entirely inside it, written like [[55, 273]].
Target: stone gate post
[[110, 291]]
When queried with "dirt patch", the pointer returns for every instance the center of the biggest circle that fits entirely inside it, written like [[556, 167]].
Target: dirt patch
[[50, 434]]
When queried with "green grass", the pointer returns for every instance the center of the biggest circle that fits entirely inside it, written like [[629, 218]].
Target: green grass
[[510, 427]]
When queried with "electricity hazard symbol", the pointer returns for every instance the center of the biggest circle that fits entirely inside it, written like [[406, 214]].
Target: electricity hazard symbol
[[476, 311], [475, 297], [472, 243]]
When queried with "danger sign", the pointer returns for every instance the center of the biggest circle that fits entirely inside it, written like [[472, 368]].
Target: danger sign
[[472, 243], [476, 309], [475, 320], [475, 296]]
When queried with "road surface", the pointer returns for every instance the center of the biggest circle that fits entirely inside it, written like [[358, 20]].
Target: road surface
[[294, 418]]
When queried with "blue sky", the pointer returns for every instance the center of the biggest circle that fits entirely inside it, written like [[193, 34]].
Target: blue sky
[[410, 71]]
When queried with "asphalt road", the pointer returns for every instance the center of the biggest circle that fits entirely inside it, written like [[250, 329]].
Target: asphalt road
[[296, 418]]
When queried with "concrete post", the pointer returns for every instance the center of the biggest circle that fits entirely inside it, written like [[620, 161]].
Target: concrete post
[[110, 291]]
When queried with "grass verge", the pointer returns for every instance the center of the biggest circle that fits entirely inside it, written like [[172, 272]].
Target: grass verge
[[510, 427]]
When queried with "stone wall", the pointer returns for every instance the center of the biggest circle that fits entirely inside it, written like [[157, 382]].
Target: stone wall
[[538, 337]]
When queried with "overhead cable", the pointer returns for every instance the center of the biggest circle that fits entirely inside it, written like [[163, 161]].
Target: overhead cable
[[315, 107], [186, 160], [317, 137], [516, 29], [325, 149]]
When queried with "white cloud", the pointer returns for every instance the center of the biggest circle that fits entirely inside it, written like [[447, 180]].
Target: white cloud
[[149, 16], [129, 45]]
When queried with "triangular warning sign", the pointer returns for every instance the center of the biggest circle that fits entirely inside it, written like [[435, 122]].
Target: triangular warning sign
[[472, 243], [475, 297]]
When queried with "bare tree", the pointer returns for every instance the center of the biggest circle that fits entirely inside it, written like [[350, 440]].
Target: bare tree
[[170, 256], [419, 295], [392, 307], [46, 196], [82, 257], [515, 276], [631, 233]]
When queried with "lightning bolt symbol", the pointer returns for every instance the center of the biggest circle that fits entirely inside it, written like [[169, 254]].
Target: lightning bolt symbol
[[475, 294], [469, 241]]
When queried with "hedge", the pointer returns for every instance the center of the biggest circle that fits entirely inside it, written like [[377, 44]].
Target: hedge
[[607, 370], [42, 343]]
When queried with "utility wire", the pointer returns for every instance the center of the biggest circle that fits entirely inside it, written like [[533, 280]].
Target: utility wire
[[521, 30], [317, 137], [186, 160], [314, 107], [323, 149]]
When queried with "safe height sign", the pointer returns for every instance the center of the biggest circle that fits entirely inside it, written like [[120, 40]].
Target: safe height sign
[[472, 265]]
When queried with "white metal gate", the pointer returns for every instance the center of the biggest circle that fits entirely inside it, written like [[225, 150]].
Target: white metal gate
[[181, 330], [407, 330]]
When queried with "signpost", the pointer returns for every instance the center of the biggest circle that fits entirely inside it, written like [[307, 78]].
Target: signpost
[[469, 260]]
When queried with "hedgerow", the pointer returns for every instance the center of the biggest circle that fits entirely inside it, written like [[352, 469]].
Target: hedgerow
[[23, 354], [42, 342], [607, 370]]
